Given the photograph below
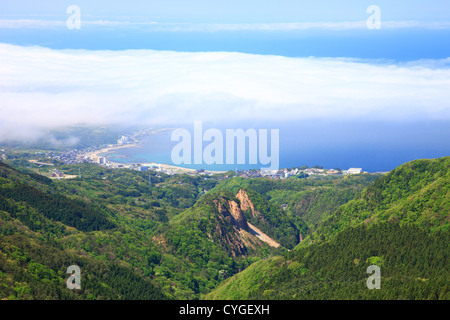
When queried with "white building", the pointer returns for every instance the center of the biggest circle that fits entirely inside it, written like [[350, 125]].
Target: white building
[[123, 140], [354, 171]]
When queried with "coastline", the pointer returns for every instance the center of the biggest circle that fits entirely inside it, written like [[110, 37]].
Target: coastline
[[95, 155]]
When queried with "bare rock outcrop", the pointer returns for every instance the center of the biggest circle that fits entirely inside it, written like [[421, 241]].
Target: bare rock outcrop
[[246, 233], [234, 211], [238, 215], [246, 204]]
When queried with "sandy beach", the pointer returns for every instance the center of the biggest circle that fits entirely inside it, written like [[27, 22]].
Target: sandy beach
[[98, 153], [93, 156]]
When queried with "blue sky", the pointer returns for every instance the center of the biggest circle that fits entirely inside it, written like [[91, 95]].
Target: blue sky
[[235, 10]]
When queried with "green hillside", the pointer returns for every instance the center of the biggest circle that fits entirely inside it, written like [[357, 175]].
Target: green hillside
[[417, 192], [309, 200], [187, 237], [399, 222], [168, 235], [109, 221], [206, 244], [413, 265], [34, 223]]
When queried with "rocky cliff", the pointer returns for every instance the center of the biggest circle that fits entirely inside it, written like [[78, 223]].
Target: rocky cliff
[[232, 210], [246, 203]]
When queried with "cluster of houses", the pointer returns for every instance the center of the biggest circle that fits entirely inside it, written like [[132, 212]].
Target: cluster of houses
[[286, 173], [57, 174], [75, 156], [255, 173], [317, 171]]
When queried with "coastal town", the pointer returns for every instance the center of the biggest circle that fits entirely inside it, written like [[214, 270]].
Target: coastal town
[[98, 155]]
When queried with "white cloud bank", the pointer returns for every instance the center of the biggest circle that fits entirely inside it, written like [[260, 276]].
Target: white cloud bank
[[44, 88]]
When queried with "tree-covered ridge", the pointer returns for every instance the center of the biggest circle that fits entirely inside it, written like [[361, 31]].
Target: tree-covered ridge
[[10, 174], [208, 242], [406, 215], [416, 192], [42, 232], [179, 236], [33, 266], [164, 195], [178, 257], [54, 206], [312, 199], [239, 286], [413, 264]]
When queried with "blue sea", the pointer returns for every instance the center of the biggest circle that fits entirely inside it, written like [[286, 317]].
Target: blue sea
[[375, 147], [391, 45]]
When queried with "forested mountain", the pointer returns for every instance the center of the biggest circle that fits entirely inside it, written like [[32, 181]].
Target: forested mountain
[[33, 257], [312, 199], [116, 220], [210, 241], [414, 264], [417, 192], [400, 223], [186, 237]]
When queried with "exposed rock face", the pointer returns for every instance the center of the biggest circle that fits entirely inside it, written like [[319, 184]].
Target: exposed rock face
[[235, 242], [247, 233], [238, 216], [234, 212], [246, 204]]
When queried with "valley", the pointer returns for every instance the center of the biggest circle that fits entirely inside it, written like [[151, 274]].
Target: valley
[[202, 237]]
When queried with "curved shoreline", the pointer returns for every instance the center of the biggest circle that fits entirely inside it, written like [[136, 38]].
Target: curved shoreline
[[167, 167]]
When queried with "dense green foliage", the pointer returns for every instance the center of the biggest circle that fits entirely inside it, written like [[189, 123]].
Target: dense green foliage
[[313, 199], [414, 265], [35, 249], [417, 192], [178, 257], [273, 220], [34, 269], [177, 238], [55, 207], [399, 222]]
